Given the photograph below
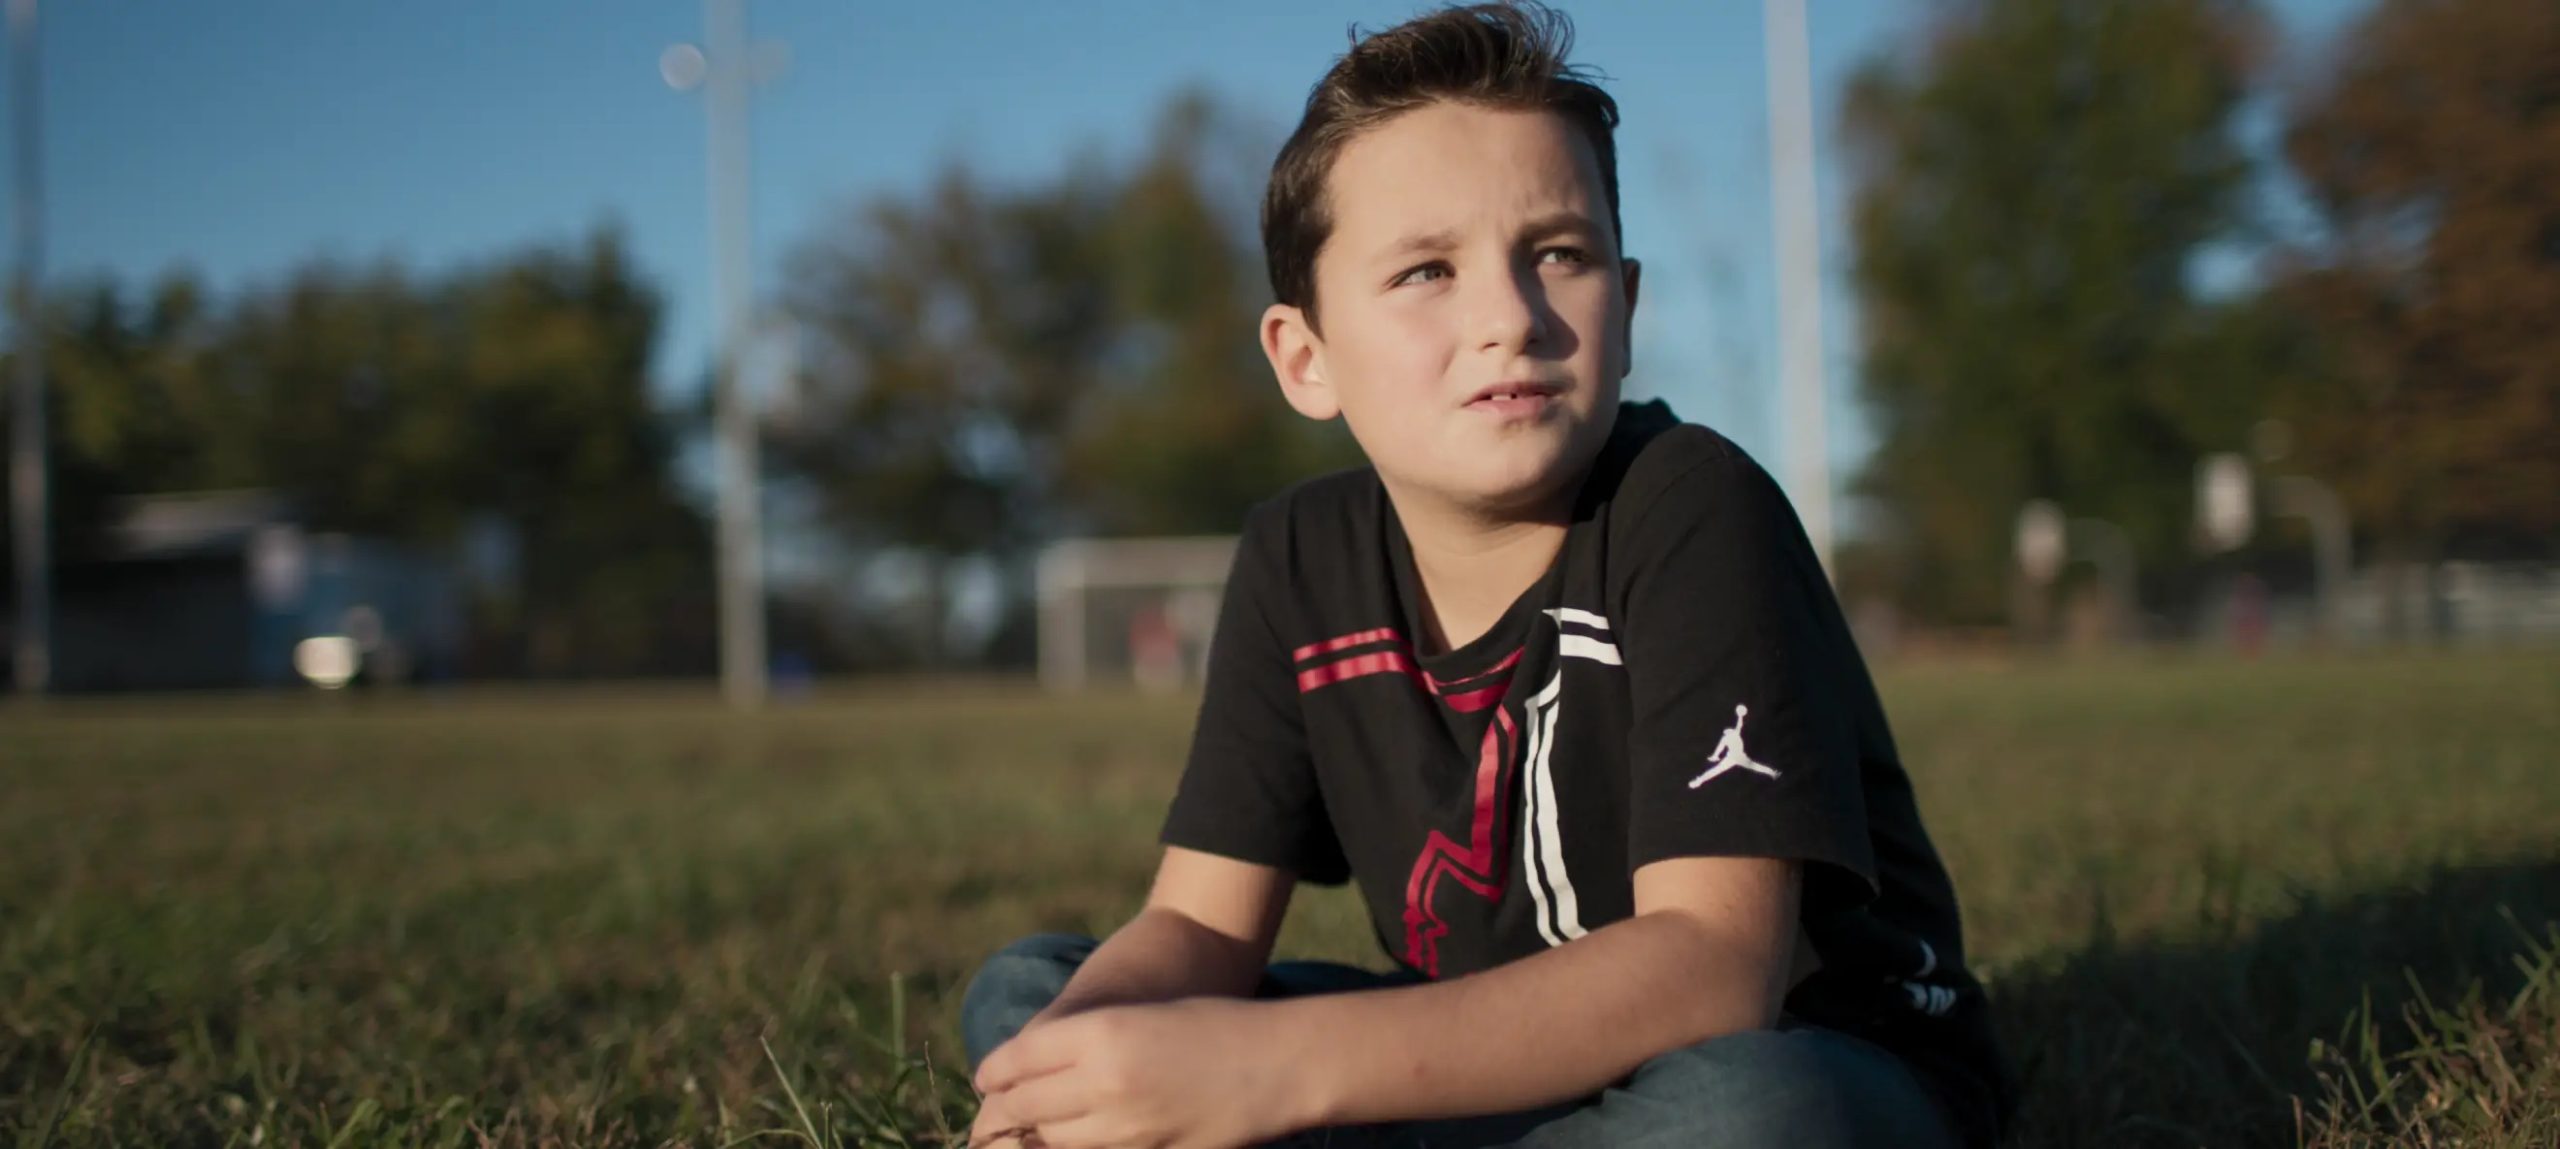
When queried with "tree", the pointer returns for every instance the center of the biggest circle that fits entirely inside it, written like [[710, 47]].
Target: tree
[[515, 392], [2431, 155], [2032, 184], [989, 368], [116, 428], [549, 424], [948, 338], [1190, 430]]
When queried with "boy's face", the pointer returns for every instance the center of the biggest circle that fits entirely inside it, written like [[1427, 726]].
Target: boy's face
[[1473, 303]]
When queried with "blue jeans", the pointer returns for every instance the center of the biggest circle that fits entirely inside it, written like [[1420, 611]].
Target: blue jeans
[[1798, 1085]]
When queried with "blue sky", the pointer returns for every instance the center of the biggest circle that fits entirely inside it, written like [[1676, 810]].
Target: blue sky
[[240, 138]]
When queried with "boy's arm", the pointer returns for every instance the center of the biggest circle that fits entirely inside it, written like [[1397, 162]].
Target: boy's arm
[[1708, 952], [1705, 954], [1206, 931]]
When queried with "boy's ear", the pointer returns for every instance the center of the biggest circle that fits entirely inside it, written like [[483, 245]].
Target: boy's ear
[[1296, 353], [1631, 274]]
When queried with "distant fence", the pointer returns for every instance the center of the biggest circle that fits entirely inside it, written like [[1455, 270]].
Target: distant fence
[[1117, 611], [2461, 603], [2492, 603]]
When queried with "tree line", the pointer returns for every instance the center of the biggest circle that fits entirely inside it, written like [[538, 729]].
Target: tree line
[[2077, 277], [983, 367], [2078, 274]]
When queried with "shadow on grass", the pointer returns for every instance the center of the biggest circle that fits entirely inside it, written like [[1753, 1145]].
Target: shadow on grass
[[2208, 1041]]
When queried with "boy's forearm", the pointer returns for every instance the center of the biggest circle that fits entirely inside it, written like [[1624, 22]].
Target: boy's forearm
[[1159, 955], [1549, 1028]]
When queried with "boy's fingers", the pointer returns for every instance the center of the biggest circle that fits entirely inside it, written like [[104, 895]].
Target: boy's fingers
[[1044, 1101], [991, 1120], [981, 1139], [997, 1126], [1030, 1054], [1075, 1134]]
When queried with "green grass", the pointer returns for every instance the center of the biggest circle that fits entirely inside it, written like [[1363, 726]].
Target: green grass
[[2218, 903]]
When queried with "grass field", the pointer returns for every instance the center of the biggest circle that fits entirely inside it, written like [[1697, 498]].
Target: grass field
[[2218, 903]]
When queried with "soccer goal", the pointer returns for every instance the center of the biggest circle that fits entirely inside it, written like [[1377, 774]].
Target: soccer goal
[[1129, 610]]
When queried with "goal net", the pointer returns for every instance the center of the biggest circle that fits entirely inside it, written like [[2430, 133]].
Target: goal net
[[1129, 611]]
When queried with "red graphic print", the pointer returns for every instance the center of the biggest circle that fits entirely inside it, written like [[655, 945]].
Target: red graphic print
[[1479, 866]]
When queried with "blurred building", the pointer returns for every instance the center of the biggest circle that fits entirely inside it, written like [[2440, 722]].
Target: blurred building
[[229, 589]]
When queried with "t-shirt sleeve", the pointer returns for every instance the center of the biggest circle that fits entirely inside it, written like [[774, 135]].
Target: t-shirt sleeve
[[1249, 789], [1744, 741]]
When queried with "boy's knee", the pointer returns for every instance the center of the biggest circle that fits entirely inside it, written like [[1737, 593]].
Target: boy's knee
[[1014, 985], [1804, 1089], [1760, 1088]]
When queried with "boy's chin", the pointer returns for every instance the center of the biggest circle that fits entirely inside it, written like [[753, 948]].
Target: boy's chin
[[1521, 486]]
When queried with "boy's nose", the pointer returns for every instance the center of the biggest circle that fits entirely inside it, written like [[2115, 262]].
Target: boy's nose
[[1509, 312]]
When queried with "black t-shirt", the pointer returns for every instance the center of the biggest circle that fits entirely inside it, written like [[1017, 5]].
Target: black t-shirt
[[1680, 683]]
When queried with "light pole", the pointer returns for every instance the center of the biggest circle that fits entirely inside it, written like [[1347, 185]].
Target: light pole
[[28, 499], [2320, 509], [725, 66], [1799, 242]]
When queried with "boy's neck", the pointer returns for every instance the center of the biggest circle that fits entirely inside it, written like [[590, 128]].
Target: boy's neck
[[1473, 564]]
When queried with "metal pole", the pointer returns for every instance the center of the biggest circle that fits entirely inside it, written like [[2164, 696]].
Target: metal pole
[[1799, 243], [1062, 605], [741, 530], [2111, 551], [2330, 543], [28, 510]]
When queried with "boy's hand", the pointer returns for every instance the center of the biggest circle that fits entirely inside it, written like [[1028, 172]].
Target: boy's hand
[[995, 1127], [1189, 1074]]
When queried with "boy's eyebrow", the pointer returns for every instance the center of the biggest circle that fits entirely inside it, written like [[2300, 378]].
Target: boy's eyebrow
[[1548, 226], [1425, 243], [1559, 223]]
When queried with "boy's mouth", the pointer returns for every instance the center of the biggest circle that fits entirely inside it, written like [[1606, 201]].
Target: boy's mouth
[[1523, 397]]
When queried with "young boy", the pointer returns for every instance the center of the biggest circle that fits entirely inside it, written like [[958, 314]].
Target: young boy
[[1557, 681]]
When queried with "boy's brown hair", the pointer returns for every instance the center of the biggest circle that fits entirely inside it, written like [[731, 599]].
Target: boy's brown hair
[[1508, 55]]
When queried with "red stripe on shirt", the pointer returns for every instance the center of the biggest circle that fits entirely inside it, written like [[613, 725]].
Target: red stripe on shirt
[[1356, 666], [1356, 638]]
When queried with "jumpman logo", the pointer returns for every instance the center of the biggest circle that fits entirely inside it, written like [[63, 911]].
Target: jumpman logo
[[1730, 754]]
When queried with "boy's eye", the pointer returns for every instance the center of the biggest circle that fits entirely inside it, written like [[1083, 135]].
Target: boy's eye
[[1568, 255], [1422, 274]]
